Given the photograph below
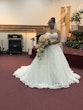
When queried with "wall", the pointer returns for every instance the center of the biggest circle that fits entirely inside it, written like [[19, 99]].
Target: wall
[[31, 12], [25, 42]]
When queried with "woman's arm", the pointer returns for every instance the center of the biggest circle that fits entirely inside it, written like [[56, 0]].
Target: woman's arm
[[58, 39]]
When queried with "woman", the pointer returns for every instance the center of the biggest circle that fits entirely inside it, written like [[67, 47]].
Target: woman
[[53, 70]]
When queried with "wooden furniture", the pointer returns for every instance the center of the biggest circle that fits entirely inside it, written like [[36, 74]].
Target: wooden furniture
[[80, 28]]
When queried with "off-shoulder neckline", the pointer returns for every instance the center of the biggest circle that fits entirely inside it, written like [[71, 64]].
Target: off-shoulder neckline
[[52, 33]]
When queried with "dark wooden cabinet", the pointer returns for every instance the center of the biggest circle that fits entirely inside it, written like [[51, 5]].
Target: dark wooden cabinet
[[15, 43]]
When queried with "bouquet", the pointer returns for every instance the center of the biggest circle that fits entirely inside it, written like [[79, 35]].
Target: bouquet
[[43, 42]]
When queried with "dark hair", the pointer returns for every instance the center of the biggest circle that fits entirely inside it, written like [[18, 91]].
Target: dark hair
[[52, 20]]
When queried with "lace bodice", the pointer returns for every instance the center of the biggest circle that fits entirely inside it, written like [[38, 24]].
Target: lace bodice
[[53, 36]]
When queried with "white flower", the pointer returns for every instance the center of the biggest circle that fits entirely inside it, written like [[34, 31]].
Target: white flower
[[43, 42]]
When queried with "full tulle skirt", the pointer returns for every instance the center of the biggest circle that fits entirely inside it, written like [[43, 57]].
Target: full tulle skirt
[[51, 71]]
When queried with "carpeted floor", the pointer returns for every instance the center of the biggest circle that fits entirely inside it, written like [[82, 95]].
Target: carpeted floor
[[16, 96]]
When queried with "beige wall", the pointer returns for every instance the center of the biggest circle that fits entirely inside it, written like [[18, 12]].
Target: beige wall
[[33, 12]]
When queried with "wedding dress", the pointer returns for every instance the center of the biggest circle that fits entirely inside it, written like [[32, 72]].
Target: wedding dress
[[52, 71]]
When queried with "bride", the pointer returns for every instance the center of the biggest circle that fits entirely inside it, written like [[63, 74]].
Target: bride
[[53, 70]]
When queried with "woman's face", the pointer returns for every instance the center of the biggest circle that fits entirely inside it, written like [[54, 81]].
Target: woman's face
[[51, 24]]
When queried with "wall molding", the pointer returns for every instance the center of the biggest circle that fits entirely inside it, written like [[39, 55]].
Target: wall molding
[[22, 28]]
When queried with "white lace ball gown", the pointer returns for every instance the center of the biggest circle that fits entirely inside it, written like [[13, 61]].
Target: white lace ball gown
[[52, 71]]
